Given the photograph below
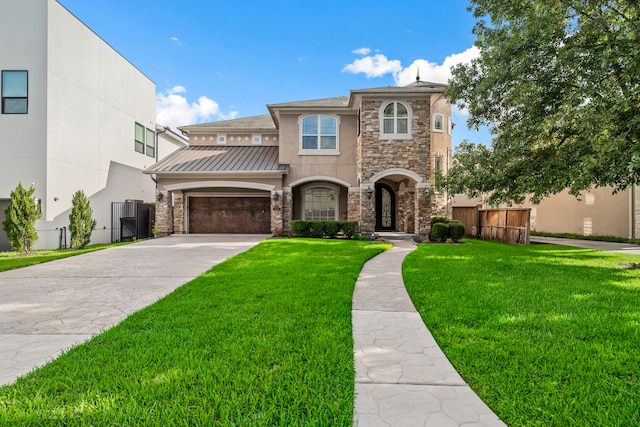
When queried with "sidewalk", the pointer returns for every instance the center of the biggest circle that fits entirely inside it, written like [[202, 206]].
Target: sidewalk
[[402, 376]]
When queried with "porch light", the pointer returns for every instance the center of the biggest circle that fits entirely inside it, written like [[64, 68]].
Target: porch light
[[369, 193], [276, 196]]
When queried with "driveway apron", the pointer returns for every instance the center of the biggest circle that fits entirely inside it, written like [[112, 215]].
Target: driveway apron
[[47, 308]]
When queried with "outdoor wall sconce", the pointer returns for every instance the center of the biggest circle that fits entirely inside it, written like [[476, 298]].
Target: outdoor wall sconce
[[276, 196], [160, 197], [369, 193]]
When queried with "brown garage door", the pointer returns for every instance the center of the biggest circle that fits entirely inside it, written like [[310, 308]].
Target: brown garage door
[[250, 215]]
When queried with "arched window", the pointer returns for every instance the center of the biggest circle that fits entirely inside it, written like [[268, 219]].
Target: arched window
[[438, 122], [396, 119], [320, 203], [319, 132]]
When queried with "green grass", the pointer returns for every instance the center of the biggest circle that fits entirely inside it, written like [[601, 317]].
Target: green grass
[[546, 335], [263, 339], [11, 260]]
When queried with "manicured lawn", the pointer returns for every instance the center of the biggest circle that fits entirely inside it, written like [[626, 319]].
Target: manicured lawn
[[263, 339], [546, 335], [11, 260]]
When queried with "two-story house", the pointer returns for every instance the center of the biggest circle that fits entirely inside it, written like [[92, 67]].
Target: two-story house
[[369, 157], [75, 115]]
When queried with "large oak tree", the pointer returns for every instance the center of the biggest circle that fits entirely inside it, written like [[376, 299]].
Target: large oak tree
[[558, 84]]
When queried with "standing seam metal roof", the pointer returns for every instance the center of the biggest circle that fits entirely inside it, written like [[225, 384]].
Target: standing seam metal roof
[[220, 159]]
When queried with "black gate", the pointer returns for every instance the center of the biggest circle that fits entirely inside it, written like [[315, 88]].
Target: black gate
[[129, 221]]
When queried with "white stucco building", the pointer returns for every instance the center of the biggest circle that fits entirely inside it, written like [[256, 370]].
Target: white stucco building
[[76, 115]]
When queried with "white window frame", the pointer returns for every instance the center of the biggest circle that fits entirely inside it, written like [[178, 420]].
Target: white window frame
[[256, 139], [435, 117], [395, 134], [221, 139], [336, 201], [319, 151]]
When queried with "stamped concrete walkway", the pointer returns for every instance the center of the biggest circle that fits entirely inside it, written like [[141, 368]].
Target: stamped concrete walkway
[[47, 308], [402, 376]]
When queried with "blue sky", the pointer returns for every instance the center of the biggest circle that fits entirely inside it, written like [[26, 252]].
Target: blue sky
[[214, 60]]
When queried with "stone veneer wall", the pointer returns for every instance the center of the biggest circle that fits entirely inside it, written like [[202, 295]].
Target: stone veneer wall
[[178, 213], [375, 155], [164, 214], [287, 206], [277, 212], [353, 204]]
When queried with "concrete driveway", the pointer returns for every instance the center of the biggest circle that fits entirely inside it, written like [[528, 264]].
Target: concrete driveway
[[47, 308]]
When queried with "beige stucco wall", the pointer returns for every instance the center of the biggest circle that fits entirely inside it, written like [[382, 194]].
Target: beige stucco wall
[[342, 167], [597, 212], [232, 138]]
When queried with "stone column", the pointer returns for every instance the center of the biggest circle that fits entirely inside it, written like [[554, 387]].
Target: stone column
[[353, 204], [276, 212], [178, 213], [164, 213], [367, 208], [422, 216], [287, 209]]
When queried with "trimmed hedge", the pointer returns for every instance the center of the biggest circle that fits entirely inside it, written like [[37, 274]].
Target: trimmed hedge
[[443, 229], [439, 232], [320, 229]]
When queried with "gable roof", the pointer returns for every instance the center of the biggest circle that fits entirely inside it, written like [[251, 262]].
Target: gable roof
[[253, 123], [220, 159]]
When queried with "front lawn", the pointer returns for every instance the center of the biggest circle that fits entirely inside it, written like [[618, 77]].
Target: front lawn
[[546, 335], [262, 339], [11, 260]]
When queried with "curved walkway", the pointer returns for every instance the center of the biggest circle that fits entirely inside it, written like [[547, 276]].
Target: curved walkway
[[402, 376], [47, 308]]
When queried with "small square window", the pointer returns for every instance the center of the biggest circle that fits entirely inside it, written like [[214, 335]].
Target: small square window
[[15, 92], [257, 139], [222, 139]]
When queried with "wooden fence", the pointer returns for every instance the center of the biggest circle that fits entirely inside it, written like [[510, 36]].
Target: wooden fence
[[511, 225]]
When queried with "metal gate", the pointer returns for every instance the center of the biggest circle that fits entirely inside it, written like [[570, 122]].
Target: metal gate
[[129, 221]]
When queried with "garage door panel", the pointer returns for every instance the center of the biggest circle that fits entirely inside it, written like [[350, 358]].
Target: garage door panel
[[248, 215]]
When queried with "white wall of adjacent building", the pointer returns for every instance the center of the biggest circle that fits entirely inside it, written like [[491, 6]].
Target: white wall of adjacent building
[[84, 101]]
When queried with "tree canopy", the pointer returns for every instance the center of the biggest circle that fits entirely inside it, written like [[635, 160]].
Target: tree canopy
[[558, 84]]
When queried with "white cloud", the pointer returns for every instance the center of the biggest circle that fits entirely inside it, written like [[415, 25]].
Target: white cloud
[[362, 51], [175, 40], [374, 66], [432, 71], [173, 109], [378, 65]]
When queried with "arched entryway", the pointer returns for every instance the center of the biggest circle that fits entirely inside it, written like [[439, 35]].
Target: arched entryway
[[385, 208]]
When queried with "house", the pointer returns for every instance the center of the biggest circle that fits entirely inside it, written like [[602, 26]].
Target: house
[[597, 212], [368, 157], [76, 115]]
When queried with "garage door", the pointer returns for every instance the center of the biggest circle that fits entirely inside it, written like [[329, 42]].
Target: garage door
[[249, 215]]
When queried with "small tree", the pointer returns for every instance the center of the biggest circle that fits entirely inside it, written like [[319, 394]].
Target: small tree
[[20, 219], [81, 224]]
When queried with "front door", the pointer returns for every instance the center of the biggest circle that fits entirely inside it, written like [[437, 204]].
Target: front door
[[385, 208]]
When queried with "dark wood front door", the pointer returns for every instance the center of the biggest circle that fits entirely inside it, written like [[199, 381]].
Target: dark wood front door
[[246, 215], [385, 208]]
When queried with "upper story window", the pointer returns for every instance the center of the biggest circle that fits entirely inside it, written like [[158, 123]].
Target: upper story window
[[139, 146], [15, 92], [438, 122], [145, 140], [319, 134], [396, 119], [151, 143]]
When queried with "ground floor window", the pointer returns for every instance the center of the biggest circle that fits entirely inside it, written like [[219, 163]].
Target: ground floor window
[[320, 203]]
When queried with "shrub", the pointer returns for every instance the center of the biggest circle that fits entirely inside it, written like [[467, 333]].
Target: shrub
[[456, 230], [331, 228], [317, 229], [349, 228], [300, 228], [439, 232], [81, 224], [20, 219], [439, 219]]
